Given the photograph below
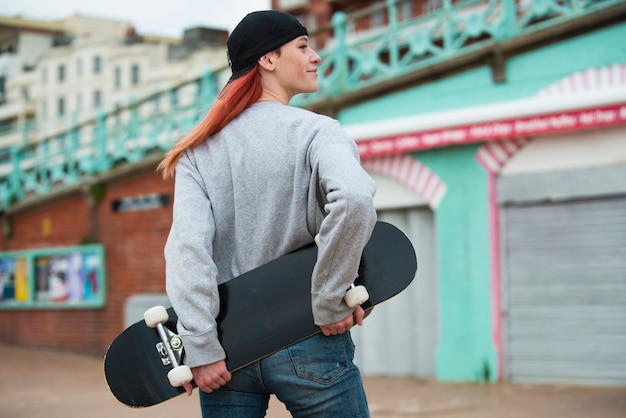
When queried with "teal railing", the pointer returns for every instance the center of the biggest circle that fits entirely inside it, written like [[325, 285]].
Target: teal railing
[[351, 60]]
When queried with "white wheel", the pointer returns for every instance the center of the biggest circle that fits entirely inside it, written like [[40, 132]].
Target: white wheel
[[356, 296], [155, 315], [317, 240], [180, 375]]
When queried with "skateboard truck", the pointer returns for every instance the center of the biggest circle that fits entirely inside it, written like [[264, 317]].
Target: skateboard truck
[[356, 295], [155, 317], [175, 343]]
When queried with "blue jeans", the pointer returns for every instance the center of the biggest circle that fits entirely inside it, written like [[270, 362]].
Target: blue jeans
[[314, 378]]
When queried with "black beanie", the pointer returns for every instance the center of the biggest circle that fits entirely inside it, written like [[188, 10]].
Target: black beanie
[[257, 34]]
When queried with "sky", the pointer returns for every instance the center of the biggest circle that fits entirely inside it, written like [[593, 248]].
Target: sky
[[154, 17]]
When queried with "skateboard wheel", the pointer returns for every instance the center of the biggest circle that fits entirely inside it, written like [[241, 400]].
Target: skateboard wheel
[[155, 315], [317, 240], [356, 296], [180, 375]]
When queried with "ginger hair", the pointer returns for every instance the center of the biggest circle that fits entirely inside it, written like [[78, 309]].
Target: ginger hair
[[238, 95]]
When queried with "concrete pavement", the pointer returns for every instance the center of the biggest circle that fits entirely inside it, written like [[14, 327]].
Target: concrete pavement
[[43, 383]]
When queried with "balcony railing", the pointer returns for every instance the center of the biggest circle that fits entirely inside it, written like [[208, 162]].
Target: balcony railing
[[351, 60], [358, 59]]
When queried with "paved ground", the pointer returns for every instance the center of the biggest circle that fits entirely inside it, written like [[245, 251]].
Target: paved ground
[[41, 383]]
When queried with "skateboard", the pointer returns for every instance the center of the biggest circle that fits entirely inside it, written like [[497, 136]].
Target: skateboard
[[262, 311]]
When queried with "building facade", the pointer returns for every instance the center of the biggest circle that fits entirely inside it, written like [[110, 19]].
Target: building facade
[[497, 145], [523, 182], [495, 165], [64, 73]]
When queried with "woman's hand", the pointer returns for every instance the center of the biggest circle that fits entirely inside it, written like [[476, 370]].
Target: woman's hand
[[209, 377], [345, 325]]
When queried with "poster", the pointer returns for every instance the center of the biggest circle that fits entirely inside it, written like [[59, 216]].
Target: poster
[[67, 278], [54, 276], [13, 279], [21, 280], [7, 279]]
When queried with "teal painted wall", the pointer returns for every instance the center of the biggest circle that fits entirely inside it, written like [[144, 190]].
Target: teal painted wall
[[526, 75], [465, 350], [461, 222]]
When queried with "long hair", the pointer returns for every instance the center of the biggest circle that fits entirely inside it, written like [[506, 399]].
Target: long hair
[[238, 95]]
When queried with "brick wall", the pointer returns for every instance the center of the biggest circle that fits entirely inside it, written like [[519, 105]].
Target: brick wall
[[133, 243]]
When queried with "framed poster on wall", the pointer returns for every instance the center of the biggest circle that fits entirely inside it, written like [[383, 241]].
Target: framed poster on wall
[[13, 279], [57, 277]]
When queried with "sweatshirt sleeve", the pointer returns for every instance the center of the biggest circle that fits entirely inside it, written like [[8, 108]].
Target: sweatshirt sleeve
[[191, 273], [346, 195]]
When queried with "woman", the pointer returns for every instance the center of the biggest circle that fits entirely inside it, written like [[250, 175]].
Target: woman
[[255, 180]]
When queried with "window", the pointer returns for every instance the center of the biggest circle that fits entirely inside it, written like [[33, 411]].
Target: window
[[174, 98], [351, 26], [157, 103], [431, 5], [61, 73], [3, 95], [25, 93], [61, 107], [378, 19], [118, 116], [97, 98], [134, 78], [117, 77], [44, 109], [407, 10], [53, 277], [97, 64]]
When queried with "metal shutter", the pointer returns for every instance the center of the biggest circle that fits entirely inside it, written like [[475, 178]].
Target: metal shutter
[[564, 291], [399, 338]]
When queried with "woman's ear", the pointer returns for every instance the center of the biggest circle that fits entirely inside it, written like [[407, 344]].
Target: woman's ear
[[267, 61]]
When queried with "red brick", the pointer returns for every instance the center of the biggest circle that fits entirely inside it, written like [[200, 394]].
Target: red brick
[[134, 264]]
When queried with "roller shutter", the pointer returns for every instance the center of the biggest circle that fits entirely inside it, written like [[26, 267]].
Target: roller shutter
[[399, 338], [564, 291]]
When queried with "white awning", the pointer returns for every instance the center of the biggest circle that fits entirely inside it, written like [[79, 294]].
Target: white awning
[[514, 109], [594, 98]]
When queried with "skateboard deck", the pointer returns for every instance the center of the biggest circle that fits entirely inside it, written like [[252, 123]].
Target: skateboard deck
[[262, 311]]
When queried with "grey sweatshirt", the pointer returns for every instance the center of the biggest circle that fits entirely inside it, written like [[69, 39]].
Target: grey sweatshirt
[[265, 185]]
